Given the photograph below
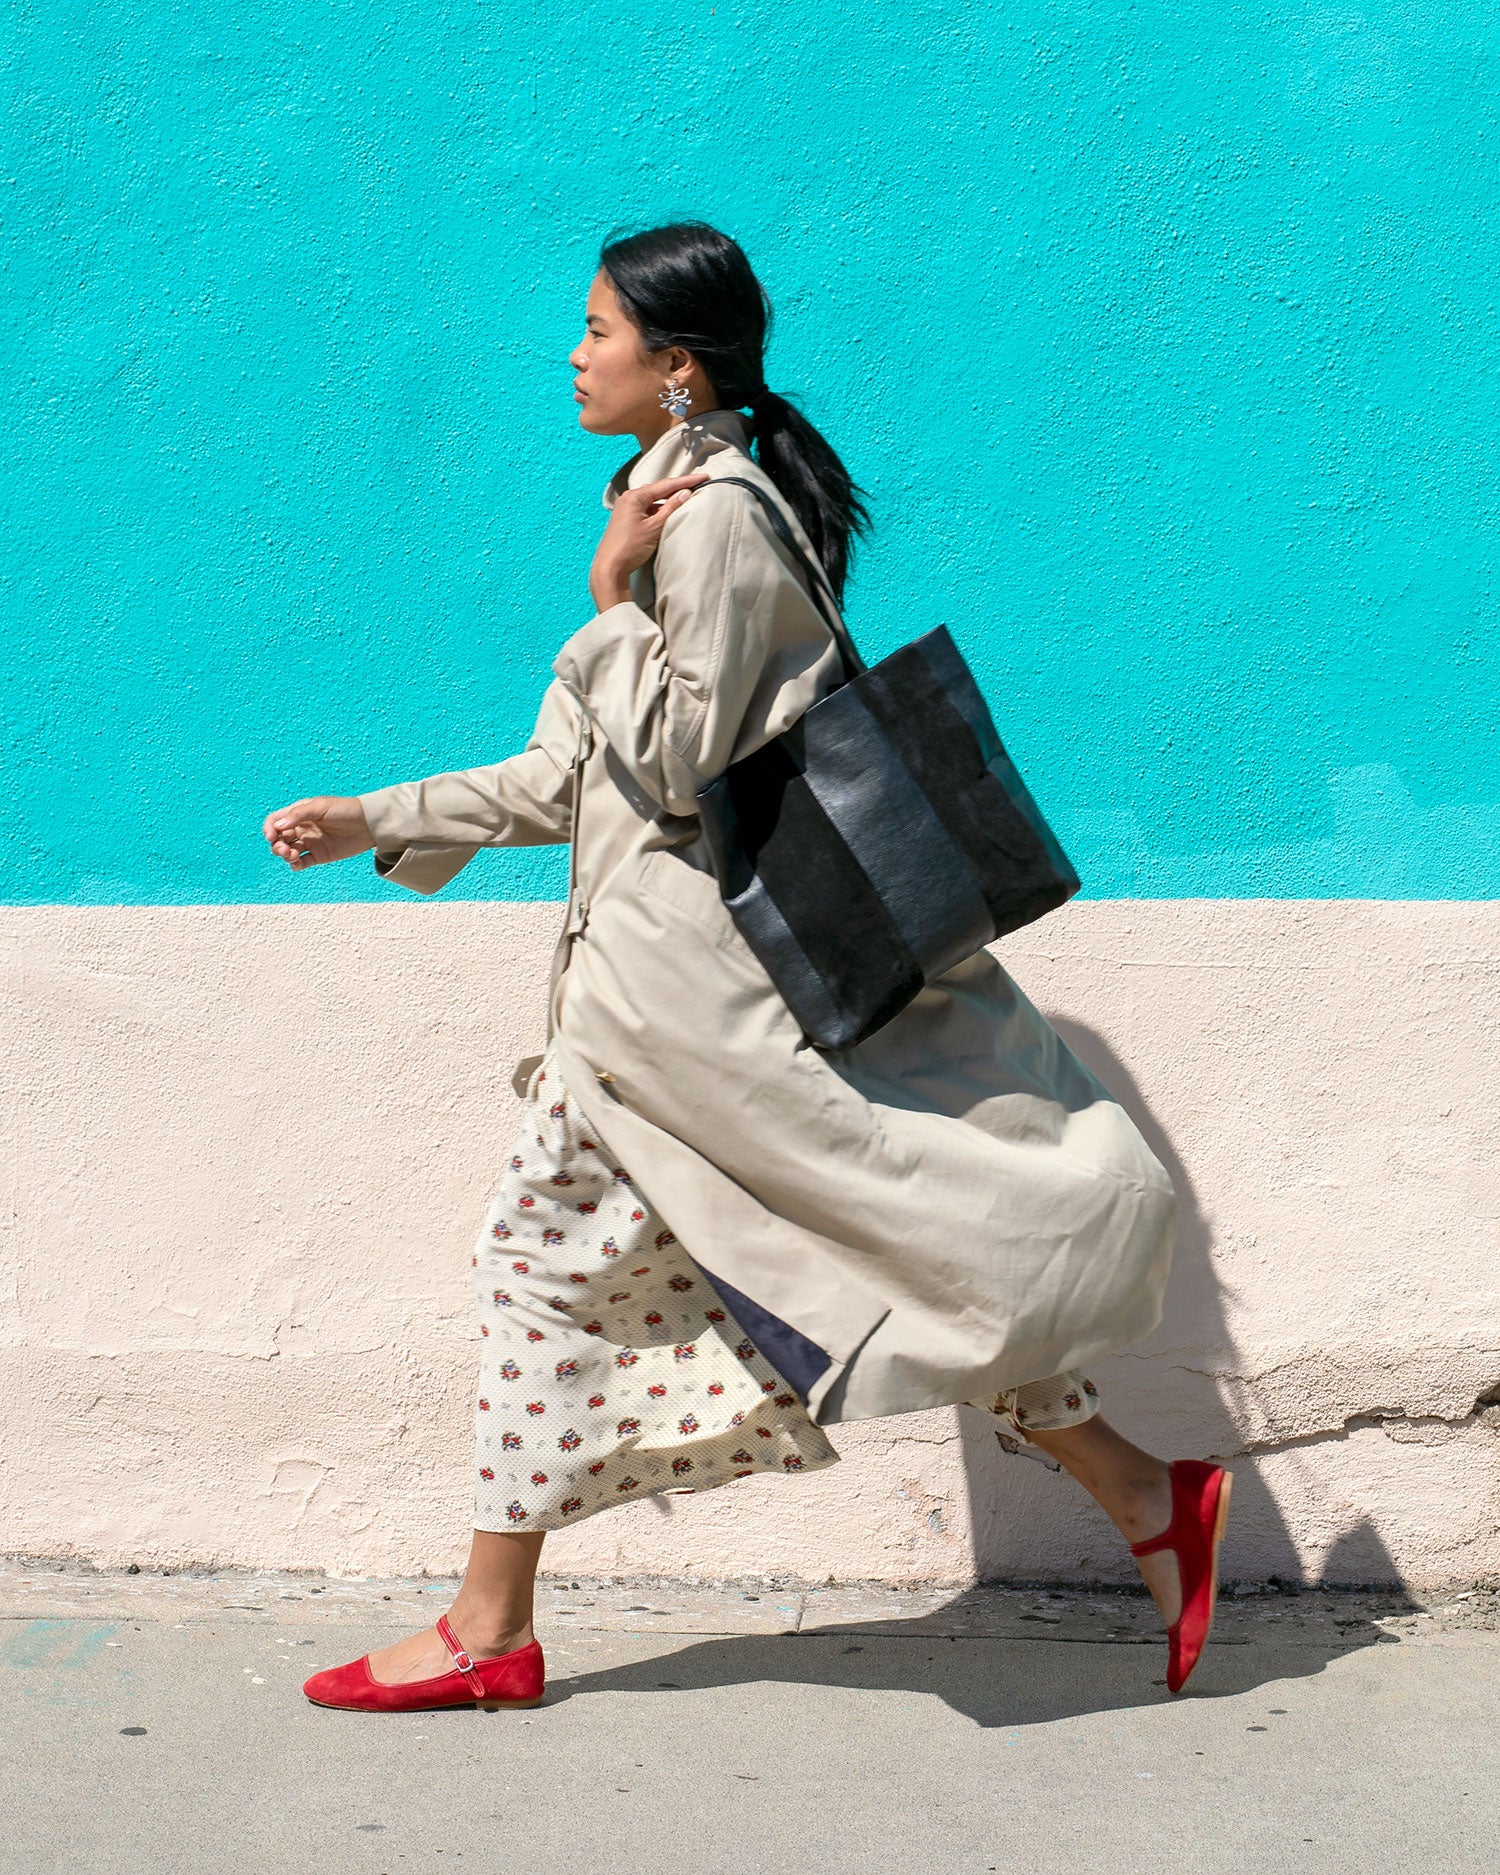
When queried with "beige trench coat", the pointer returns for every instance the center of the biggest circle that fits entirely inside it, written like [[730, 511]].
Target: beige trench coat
[[953, 1207]]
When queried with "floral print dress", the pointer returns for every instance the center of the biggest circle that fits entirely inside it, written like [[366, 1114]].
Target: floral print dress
[[610, 1367]]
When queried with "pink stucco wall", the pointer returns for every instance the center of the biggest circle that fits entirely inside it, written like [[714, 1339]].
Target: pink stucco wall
[[250, 1147]]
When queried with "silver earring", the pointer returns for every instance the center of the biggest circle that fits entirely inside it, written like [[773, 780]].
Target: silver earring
[[676, 399]]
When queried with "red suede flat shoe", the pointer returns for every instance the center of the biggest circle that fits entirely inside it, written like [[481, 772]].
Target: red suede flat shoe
[[514, 1679], [1200, 1509]]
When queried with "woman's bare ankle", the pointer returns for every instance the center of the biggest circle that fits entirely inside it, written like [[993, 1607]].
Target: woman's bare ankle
[[1140, 1506], [1131, 1486], [488, 1631], [491, 1613]]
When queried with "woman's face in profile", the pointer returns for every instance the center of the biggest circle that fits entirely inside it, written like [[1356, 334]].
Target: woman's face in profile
[[617, 386]]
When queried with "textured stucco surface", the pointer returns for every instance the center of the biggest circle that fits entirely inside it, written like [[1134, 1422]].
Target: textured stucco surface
[[250, 1147], [1161, 336]]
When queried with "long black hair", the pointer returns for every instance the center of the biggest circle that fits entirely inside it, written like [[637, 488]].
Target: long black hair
[[688, 285]]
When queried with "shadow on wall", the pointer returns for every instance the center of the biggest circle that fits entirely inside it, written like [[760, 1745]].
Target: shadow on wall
[[1032, 1523]]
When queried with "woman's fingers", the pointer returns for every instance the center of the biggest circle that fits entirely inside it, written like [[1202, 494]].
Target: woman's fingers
[[654, 491], [632, 532], [314, 832], [663, 512], [319, 810], [295, 833], [274, 825], [664, 507], [653, 494], [285, 818], [298, 846]]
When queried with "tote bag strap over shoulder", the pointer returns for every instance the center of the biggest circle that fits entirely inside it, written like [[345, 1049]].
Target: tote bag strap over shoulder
[[882, 838], [817, 582]]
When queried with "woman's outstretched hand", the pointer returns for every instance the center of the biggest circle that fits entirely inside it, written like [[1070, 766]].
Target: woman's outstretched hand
[[632, 533], [321, 828]]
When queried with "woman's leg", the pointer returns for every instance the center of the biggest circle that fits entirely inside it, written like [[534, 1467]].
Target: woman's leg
[[1133, 1489], [491, 1613], [1060, 1417]]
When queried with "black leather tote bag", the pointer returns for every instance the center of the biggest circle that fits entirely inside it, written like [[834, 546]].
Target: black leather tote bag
[[880, 840]]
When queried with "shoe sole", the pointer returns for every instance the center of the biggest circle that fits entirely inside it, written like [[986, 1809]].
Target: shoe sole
[[456, 1705]]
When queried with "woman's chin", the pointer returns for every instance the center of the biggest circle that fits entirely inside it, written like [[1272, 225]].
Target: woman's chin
[[597, 424]]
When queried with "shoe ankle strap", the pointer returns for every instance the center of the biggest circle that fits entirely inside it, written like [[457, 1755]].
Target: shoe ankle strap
[[1180, 1471], [461, 1660]]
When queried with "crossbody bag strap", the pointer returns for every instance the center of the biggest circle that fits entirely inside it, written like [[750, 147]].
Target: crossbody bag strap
[[816, 579]]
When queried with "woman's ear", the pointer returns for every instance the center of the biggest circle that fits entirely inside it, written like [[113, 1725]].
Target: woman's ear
[[682, 364]]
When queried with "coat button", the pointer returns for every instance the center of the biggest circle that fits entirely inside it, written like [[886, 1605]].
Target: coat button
[[603, 1074]]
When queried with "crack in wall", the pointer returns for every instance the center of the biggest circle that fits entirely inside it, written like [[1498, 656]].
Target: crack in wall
[[1428, 1394], [1430, 1429]]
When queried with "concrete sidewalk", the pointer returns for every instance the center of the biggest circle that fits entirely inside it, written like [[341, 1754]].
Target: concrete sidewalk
[[154, 1726]]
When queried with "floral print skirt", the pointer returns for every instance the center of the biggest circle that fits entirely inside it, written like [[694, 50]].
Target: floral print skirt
[[610, 1367]]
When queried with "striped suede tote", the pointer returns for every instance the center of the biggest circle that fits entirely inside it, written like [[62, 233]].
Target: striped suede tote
[[880, 840]]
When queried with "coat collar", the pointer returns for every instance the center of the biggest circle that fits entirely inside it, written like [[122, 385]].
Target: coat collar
[[683, 449]]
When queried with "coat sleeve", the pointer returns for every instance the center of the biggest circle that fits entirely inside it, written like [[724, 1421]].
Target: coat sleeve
[[732, 627], [427, 831]]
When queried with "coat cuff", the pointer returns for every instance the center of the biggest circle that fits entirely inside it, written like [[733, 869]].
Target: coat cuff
[[422, 868]]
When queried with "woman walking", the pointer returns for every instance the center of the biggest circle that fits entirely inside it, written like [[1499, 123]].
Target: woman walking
[[714, 1240]]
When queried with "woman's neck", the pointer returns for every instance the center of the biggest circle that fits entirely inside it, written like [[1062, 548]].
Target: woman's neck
[[650, 434]]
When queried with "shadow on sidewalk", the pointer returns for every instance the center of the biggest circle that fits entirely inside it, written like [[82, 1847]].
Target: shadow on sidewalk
[[995, 1679]]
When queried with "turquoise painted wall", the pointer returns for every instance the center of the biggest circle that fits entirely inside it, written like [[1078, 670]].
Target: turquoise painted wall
[[1162, 337]]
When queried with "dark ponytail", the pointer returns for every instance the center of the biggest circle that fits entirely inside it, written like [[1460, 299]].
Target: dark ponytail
[[689, 285]]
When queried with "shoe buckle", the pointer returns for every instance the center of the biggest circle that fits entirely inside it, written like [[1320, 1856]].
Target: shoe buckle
[[463, 1663]]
